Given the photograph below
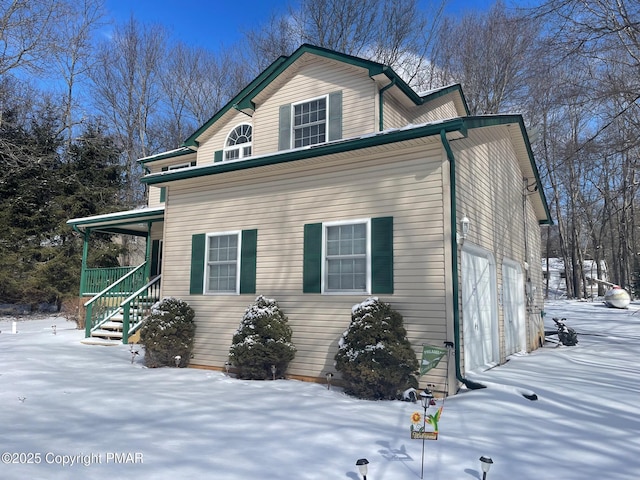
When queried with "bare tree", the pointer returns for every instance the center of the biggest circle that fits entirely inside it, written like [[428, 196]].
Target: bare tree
[[393, 32], [74, 53], [489, 54], [27, 33], [126, 90]]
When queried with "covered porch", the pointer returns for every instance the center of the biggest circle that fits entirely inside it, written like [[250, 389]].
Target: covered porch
[[115, 300]]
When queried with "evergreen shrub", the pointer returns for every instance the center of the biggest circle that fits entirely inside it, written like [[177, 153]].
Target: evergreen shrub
[[263, 339], [167, 332], [374, 356]]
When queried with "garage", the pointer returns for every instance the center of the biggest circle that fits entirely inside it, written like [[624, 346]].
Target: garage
[[479, 309]]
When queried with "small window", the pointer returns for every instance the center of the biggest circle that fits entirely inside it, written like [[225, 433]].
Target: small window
[[347, 259], [222, 263], [310, 122], [238, 144]]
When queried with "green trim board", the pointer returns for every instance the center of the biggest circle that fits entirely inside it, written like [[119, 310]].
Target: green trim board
[[244, 100], [460, 124], [179, 152]]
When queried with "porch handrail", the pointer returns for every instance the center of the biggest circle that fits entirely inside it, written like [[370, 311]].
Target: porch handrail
[[143, 299], [110, 287], [109, 299]]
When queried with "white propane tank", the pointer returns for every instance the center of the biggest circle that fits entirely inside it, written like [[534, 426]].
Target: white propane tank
[[617, 297]]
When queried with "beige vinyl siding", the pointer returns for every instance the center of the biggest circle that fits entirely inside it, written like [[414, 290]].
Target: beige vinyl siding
[[312, 81], [278, 201], [154, 197], [398, 115], [489, 190], [216, 135]]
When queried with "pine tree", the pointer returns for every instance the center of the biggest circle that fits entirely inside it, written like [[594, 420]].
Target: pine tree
[[375, 357], [263, 340]]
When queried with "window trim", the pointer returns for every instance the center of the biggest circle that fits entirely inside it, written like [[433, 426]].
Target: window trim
[[368, 257], [205, 287], [240, 147], [292, 139]]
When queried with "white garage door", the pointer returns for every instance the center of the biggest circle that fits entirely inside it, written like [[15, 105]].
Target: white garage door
[[513, 307], [479, 312]]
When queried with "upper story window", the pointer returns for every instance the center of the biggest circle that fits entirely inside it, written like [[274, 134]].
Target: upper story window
[[238, 144], [310, 122]]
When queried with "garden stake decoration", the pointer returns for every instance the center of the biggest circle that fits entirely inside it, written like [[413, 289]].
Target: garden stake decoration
[[329, 376], [53, 327], [177, 358], [420, 432]]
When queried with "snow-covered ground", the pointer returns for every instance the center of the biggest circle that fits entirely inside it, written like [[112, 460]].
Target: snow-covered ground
[[62, 402]]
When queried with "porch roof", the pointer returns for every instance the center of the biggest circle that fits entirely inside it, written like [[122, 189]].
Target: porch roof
[[130, 222]]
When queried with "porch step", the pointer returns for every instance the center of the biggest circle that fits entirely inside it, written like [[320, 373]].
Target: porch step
[[109, 334], [100, 341], [112, 325]]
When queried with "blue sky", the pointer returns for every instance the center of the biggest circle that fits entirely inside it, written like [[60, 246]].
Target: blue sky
[[214, 23]]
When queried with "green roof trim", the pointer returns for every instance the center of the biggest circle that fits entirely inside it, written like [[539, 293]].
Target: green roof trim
[[163, 156], [235, 102], [441, 92], [244, 99], [383, 138], [495, 120], [119, 218]]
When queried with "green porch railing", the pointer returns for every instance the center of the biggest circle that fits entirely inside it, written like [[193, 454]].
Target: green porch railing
[[138, 306], [97, 279], [107, 303]]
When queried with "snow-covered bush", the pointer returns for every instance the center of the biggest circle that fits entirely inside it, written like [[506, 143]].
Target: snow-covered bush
[[263, 339], [374, 356], [168, 332]]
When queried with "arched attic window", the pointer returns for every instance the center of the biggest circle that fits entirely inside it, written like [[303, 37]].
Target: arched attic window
[[238, 144]]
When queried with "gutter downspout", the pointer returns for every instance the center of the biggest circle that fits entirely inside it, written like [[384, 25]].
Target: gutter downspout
[[454, 265], [381, 103]]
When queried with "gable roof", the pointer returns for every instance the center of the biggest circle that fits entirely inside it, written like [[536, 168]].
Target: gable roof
[[243, 101]]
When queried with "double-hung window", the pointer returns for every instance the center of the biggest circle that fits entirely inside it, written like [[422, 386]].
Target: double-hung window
[[222, 264], [310, 122], [348, 257], [347, 252]]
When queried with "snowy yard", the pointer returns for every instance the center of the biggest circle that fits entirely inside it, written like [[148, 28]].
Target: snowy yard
[[66, 402]]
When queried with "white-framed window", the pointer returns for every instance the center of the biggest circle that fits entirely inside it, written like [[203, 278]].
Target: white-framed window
[[222, 263], [238, 143], [347, 256], [309, 122]]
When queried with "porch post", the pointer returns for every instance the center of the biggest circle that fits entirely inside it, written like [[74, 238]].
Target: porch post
[[85, 254], [147, 255]]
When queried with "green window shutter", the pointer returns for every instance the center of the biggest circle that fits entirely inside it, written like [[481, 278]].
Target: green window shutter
[[155, 256], [284, 129], [217, 156], [335, 116], [198, 248], [382, 255], [163, 190], [312, 258], [248, 255]]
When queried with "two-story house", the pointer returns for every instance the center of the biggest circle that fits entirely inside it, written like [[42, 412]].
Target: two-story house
[[327, 180]]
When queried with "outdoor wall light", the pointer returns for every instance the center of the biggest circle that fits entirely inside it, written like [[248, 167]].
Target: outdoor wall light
[[465, 222], [362, 466], [485, 464]]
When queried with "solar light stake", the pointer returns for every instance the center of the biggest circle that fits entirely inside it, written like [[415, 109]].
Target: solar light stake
[[426, 397], [177, 358], [53, 327], [485, 464], [273, 371], [362, 466], [329, 376]]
